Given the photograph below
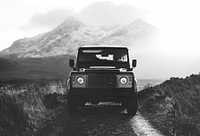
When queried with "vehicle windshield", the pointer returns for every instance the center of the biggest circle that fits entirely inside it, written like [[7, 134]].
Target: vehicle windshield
[[103, 57]]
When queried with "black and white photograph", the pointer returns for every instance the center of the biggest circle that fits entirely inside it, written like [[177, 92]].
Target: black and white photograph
[[99, 68]]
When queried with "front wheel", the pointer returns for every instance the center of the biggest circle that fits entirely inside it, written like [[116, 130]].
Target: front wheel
[[132, 105]]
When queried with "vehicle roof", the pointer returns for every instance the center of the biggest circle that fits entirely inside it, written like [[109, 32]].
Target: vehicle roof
[[103, 46]]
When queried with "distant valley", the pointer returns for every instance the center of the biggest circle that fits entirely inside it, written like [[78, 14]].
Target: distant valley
[[46, 68]]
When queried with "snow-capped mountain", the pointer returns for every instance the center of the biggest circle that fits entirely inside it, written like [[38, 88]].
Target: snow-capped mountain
[[72, 33]]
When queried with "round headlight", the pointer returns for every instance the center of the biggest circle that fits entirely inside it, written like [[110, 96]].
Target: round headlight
[[123, 80], [80, 80]]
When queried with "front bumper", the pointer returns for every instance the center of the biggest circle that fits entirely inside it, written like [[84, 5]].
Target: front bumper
[[114, 92]]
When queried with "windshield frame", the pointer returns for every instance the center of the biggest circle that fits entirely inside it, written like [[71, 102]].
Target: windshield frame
[[116, 64]]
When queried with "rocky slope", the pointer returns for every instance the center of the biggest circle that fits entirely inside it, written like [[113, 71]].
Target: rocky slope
[[72, 33]]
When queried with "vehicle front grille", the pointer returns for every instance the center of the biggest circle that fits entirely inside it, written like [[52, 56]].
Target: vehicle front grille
[[101, 80]]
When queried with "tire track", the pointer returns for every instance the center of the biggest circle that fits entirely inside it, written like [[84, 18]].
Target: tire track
[[105, 119]]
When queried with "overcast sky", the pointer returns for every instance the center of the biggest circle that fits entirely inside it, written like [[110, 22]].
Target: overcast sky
[[179, 21]]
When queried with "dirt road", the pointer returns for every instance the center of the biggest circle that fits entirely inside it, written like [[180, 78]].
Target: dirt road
[[104, 119]]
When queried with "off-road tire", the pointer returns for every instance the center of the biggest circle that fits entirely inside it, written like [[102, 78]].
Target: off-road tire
[[132, 105]]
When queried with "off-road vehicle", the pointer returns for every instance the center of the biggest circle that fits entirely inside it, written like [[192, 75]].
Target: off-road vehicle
[[102, 73]]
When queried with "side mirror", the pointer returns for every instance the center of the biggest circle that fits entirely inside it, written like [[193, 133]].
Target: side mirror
[[71, 63], [134, 63]]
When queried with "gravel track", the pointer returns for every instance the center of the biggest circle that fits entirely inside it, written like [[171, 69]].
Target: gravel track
[[104, 119]]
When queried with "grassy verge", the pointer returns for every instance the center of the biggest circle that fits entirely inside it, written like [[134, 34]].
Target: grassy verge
[[173, 106], [25, 107]]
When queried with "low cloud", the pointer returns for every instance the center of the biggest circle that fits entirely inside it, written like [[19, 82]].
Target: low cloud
[[106, 13], [48, 20], [99, 14]]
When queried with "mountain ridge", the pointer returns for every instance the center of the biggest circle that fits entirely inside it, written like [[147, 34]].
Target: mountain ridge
[[71, 34]]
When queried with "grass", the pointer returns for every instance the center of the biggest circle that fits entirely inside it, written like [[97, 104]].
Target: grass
[[173, 106], [24, 106], [13, 118]]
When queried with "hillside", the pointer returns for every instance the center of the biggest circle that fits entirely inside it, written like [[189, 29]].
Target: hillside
[[72, 33], [55, 67], [174, 105]]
